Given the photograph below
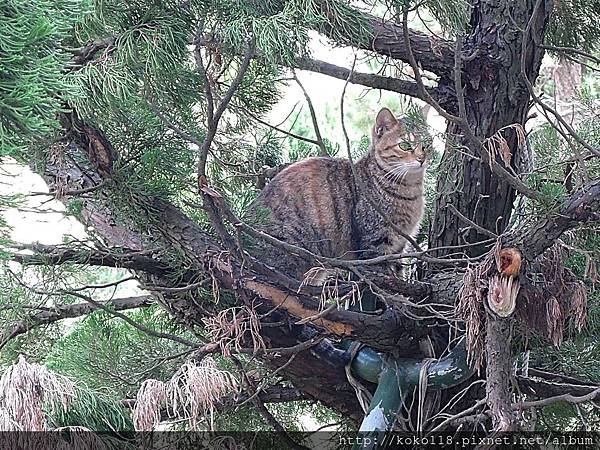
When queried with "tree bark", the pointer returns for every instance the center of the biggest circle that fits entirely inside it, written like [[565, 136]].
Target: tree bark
[[499, 373], [314, 371], [495, 97]]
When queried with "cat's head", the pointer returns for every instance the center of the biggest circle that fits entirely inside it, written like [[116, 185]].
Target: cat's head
[[394, 148]]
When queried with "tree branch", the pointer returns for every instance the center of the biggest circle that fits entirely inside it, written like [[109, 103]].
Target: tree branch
[[370, 80], [133, 323], [214, 115], [365, 79], [86, 54], [541, 388], [582, 206], [387, 38], [62, 312], [569, 398], [56, 255], [313, 116]]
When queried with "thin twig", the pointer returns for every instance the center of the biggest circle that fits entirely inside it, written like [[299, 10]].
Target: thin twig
[[133, 323], [468, 221], [558, 398], [278, 129], [73, 192], [214, 115], [554, 48], [173, 127], [313, 115]]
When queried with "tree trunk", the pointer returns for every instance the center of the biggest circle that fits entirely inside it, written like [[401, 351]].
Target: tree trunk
[[495, 96]]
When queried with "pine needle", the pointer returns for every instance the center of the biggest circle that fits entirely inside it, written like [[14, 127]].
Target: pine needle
[[24, 391]]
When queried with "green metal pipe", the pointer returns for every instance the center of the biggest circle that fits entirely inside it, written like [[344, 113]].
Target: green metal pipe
[[394, 379], [446, 372], [383, 410]]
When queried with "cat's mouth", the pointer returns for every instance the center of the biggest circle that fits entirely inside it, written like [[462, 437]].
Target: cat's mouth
[[417, 167]]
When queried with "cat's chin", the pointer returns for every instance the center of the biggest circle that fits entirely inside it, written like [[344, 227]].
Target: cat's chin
[[417, 170]]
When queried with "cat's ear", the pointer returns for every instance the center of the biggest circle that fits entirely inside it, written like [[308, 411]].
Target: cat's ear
[[384, 122]]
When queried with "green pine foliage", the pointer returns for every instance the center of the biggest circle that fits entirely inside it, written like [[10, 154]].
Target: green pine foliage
[[98, 410], [33, 56], [107, 353], [575, 24]]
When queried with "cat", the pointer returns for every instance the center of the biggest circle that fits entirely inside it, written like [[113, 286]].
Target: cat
[[316, 204]]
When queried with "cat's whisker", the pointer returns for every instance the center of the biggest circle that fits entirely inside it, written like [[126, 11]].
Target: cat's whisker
[[395, 175], [394, 171], [389, 173], [400, 177], [403, 176], [400, 174]]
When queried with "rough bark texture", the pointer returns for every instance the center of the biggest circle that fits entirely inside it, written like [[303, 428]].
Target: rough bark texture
[[499, 372], [495, 96], [317, 371], [581, 207]]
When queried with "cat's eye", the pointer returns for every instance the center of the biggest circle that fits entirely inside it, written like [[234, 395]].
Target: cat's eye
[[405, 146]]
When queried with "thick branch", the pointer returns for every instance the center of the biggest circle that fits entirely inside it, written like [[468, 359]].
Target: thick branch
[[370, 80], [365, 79], [387, 38], [582, 206], [498, 373]]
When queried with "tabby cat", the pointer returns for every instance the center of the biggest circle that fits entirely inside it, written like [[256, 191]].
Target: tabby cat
[[316, 204]]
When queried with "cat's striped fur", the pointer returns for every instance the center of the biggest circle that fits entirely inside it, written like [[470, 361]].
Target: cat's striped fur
[[316, 204]]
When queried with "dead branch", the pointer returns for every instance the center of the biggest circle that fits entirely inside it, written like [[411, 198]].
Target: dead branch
[[498, 373]]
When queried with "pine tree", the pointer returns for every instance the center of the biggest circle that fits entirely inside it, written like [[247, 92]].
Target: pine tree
[[150, 121]]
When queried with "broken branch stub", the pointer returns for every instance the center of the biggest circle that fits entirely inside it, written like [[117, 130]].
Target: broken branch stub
[[503, 287], [494, 283]]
